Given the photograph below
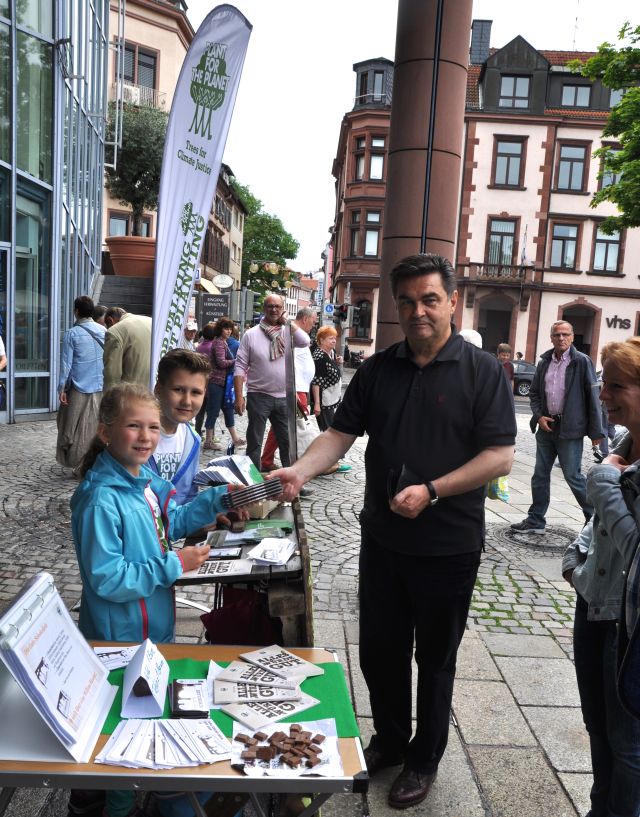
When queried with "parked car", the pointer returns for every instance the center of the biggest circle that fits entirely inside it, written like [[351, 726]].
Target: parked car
[[522, 376]]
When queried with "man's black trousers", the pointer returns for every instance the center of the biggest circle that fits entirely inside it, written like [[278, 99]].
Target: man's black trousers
[[403, 598]]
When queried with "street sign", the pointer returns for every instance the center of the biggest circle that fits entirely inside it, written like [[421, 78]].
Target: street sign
[[212, 307], [328, 310]]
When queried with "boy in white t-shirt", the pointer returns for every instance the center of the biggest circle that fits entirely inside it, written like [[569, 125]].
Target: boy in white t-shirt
[[181, 388]]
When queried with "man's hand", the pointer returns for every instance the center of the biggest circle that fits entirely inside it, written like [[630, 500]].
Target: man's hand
[[411, 501], [284, 318], [617, 460], [238, 406], [546, 423], [291, 482], [193, 556], [64, 400]]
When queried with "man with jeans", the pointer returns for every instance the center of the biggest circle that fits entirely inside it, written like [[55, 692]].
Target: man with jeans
[[260, 361], [565, 405]]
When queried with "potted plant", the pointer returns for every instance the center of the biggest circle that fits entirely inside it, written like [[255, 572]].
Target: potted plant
[[135, 183]]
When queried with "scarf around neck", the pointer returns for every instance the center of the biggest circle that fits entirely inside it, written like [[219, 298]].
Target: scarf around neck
[[274, 333]]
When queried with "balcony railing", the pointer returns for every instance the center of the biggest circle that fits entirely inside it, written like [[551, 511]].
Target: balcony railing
[[140, 95]]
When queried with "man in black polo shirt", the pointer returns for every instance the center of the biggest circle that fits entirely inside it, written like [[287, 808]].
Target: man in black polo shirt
[[440, 418]]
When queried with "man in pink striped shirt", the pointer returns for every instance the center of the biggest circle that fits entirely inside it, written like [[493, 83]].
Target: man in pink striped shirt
[[260, 361], [564, 399]]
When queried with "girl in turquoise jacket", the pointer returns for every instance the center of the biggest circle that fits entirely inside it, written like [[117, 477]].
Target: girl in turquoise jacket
[[123, 517]]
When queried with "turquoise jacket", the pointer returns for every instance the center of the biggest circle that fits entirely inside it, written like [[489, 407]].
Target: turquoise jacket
[[127, 574]]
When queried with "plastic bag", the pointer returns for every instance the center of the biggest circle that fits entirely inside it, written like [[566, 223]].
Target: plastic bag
[[498, 488]]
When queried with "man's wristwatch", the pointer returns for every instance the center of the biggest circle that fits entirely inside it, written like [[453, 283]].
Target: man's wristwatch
[[432, 493]]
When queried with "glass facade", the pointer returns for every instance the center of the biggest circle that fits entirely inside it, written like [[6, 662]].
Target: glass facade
[[53, 58]]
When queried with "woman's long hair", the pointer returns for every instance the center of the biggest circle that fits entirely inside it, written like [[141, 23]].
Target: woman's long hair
[[112, 406]]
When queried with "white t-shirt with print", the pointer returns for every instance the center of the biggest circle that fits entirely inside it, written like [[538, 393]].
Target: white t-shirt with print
[[172, 450]]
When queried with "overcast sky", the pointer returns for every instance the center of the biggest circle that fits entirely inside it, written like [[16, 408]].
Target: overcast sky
[[298, 82]]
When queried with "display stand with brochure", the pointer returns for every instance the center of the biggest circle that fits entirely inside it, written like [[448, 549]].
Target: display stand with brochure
[[54, 692]]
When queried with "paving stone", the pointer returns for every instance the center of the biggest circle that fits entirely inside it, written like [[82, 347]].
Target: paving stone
[[519, 783], [561, 733], [487, 714], [530, 646], [578, 787], [475, 661], [540, 681]]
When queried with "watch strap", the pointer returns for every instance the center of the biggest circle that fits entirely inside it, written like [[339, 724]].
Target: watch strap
[[432, 493]]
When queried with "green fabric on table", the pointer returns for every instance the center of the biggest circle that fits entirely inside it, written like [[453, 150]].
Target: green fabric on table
[[330, 689]]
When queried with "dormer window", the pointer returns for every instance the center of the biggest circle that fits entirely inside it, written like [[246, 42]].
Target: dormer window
[[576, 96], [514, 92]]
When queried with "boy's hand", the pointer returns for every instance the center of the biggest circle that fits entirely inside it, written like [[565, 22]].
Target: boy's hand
[[225, 519], [193, 556]]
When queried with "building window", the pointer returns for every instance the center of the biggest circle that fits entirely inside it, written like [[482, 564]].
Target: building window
[[234, 252], [377, 141], [514, 92], [508, 162], [122, 224], [361, 141], [360, 167], [572, 166], [355, 243], [140, 66], [373, 216], [378, 86], [377, 166], [371, 242], [355, 216], [363, 329], [576, 96], [502, 236], [35, 106], [616, 96], [363, 86], [606, 252], [564, 246], [608, 177]]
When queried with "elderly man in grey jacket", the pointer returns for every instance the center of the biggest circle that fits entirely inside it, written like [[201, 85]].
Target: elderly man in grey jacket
[[564, 399]]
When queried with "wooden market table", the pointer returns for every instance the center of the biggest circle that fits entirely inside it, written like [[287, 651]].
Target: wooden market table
[[217, 777]]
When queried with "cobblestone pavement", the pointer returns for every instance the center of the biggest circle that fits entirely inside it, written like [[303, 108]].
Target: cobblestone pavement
[[506, 754]]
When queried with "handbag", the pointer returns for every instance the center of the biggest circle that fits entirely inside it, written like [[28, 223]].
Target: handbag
[[498, 488], [229, 391], [243, 618], [306, 431]]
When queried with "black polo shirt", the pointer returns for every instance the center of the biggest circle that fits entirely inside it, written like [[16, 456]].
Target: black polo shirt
[[432, 421]]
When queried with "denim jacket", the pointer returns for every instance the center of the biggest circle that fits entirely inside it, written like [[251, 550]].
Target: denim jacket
[[81, 364], [601, 554]]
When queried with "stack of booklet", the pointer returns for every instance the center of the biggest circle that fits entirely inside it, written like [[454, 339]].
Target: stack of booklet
[[165, 744], [265, 688]]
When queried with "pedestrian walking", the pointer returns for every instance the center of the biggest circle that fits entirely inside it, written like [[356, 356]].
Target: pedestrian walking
[[565, 406]]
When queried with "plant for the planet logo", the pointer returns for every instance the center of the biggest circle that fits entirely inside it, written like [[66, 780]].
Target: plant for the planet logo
[[209, 82]]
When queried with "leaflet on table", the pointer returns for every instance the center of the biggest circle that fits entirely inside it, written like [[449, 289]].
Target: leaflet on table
[[165, 744], [236, 469], [240, 671], [251, 536], [330, 762], [256, 714], [281, 662], [114, 657], [144, 687], [219, 568], [55, 667], [272, 551], [228, 692]]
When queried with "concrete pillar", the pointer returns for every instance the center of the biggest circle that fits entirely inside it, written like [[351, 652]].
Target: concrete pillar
[[425, 140]]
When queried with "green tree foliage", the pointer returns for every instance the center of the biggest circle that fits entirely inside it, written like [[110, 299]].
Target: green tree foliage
[[135, 182], [619, 69], [265, 239]]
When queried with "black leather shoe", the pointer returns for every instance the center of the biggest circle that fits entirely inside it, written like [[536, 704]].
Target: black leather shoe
[[410, 788], [377, 761]]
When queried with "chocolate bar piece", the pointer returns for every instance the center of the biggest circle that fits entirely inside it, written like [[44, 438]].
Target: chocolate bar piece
[[248, 754], [319, 738], [313, 761], [260, 736], [242, 738], [295, 727]]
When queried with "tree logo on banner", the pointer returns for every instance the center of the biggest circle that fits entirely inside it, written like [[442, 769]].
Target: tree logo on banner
[[209, 82]]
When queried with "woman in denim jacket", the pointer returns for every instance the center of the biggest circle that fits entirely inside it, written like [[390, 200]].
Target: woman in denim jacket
[[596, 565]]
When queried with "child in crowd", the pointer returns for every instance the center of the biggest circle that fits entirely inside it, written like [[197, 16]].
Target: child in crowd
[[181, 388], [504, 356], [122, 518]]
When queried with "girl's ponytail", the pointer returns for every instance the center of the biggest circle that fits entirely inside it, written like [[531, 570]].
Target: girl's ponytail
[[92, 455]]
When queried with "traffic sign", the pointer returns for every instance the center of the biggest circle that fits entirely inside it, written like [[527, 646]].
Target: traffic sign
[[328, 309]]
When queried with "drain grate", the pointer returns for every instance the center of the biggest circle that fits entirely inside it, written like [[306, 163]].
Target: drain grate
[[554, 540]]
